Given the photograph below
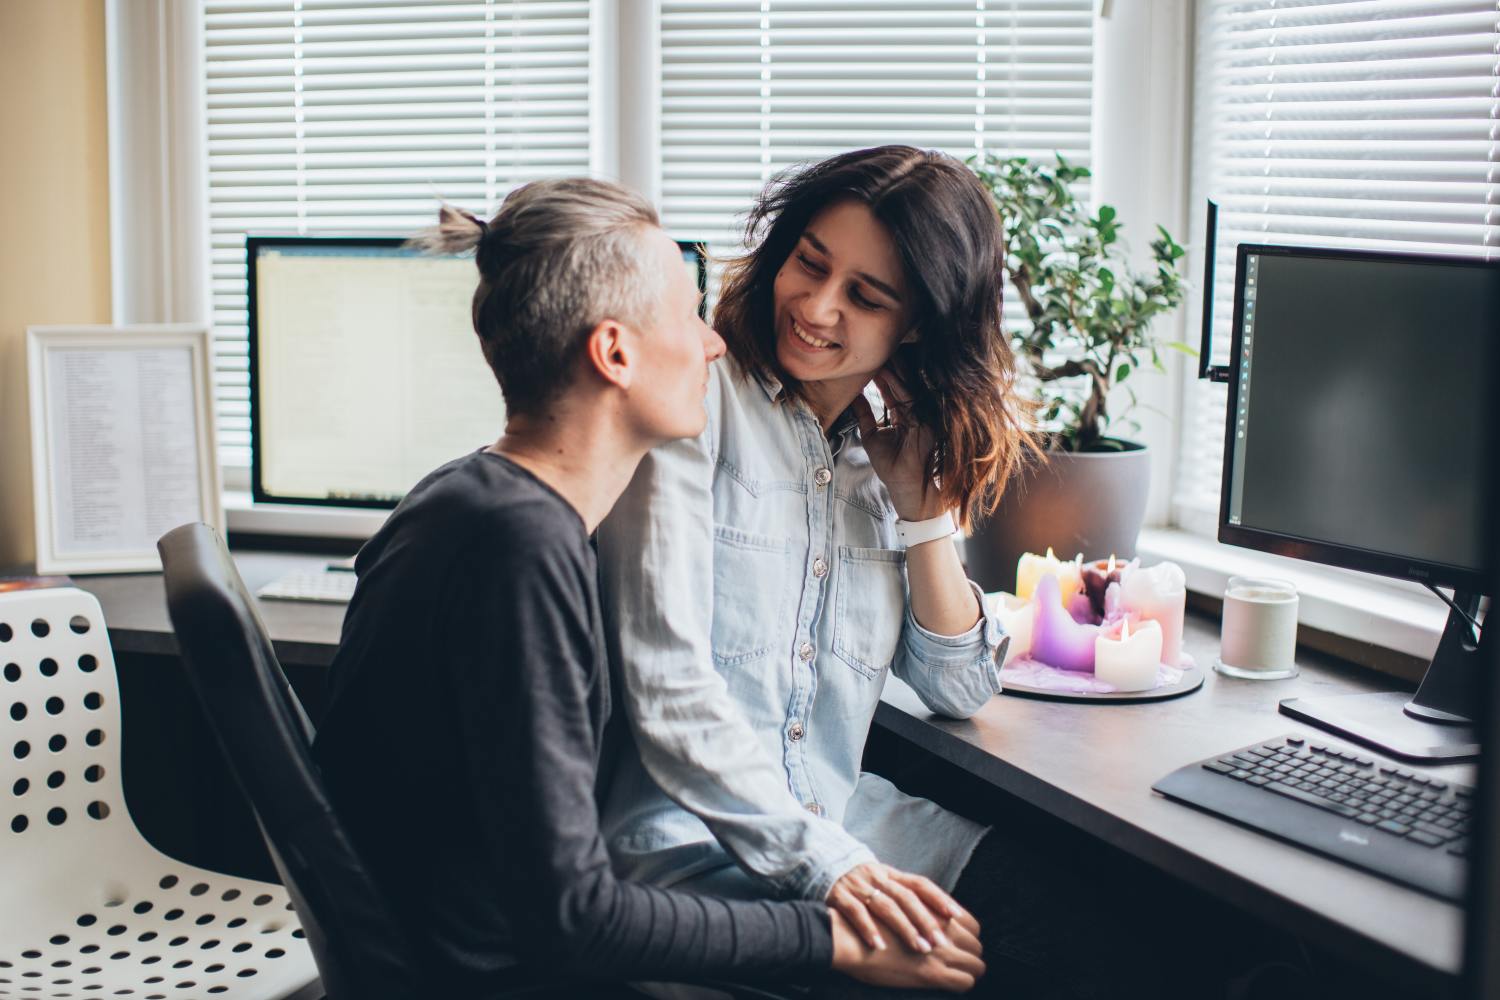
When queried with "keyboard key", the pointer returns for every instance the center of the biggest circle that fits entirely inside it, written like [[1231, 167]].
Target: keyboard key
[[1391, 826], [1257, 781], [1435, 831], [1312, 800], [1459, 848], [1218, 767], [1295, 741], [1239, 774], [1425, 838], [1368, 819]]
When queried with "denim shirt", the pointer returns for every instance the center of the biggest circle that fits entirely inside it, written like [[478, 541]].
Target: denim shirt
[[755, 596]]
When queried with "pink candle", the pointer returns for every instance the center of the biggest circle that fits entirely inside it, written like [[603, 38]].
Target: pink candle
[[1056, 639], [1160, 594]]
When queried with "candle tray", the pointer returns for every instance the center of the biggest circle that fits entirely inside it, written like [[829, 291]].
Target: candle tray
[[1026, 678]]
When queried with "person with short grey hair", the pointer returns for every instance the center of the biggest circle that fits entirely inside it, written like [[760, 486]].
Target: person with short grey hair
[[470, 690]]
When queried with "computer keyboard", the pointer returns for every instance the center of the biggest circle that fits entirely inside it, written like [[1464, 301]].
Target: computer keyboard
[[1375, 815], [328, 585]]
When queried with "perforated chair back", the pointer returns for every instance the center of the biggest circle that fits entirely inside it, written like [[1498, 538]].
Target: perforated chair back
[[88, 908], [360, 947]]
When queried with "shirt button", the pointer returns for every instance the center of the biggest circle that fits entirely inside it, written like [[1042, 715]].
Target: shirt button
[[805, 651], [795, 733], [813, 808], [820, 567], [822, 477]]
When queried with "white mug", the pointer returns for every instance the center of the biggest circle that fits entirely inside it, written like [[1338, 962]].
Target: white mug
[[1259, 634]]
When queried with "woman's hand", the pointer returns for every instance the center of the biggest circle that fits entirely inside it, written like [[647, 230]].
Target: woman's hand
[[903, 469], [952, 966], [911, 907]]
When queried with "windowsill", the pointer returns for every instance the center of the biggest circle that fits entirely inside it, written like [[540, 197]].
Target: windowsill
[[1356, 606], [245, 517]]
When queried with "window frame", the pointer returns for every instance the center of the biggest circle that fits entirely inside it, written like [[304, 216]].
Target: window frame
[[159, 202]]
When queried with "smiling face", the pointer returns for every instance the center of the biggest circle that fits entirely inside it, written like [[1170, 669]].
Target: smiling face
[[840, 304]]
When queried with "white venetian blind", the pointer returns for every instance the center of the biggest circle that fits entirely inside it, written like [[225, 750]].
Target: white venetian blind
[[752, 86], [1341, 123], [334, 116]]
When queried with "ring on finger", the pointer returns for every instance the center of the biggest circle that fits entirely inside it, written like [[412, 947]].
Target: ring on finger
[[872, 895]]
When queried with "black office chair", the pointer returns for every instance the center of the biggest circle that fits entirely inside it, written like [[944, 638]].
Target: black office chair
[[361, 950]]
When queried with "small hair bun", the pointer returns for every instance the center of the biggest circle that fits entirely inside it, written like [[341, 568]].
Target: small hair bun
[[456, 232]]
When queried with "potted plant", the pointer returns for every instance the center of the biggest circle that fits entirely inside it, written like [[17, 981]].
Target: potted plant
[[1087, 332]]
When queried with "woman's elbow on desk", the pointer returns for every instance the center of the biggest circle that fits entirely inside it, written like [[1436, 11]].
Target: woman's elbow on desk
[[956, 686]]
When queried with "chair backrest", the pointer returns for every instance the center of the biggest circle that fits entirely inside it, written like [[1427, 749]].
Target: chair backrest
[[361, 949]]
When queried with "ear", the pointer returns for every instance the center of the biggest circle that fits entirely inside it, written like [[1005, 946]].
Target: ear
[[610, 352]]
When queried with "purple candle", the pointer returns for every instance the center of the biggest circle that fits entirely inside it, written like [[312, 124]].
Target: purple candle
[[1056, 639]]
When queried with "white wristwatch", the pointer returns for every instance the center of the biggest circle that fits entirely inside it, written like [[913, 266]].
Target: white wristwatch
[[916, 532]]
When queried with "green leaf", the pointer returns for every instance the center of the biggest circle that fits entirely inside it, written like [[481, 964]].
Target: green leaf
[[1179, 346], [1122, 373]]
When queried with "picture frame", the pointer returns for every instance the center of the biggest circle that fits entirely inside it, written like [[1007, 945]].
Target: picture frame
[[123, 443]]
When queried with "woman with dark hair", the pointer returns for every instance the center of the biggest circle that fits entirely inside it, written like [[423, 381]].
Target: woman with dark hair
[[761, 580]]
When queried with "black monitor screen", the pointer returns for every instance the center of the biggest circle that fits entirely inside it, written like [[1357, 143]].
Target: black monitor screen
[[1359, 403]]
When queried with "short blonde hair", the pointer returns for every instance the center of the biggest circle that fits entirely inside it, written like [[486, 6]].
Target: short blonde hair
[[560, 257]]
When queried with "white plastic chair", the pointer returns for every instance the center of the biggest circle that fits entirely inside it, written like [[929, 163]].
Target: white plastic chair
[[88, 908]]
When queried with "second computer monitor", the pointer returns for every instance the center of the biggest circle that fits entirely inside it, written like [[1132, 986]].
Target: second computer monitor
[[1360, 403], [1358, 435]]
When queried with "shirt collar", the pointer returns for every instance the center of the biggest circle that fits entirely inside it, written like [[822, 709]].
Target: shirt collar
[[770, 383], [845, 424]]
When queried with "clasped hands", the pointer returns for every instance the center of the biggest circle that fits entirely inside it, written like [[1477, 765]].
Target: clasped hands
[[937, 940]]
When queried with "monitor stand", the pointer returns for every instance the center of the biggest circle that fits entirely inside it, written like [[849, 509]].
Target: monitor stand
[[1431, 726]]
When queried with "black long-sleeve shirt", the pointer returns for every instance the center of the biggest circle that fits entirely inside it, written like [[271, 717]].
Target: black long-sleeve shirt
[[470, 695]]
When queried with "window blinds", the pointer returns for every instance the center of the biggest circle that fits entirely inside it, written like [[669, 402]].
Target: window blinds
[[329, 116], [1343, 123], [752, 86]]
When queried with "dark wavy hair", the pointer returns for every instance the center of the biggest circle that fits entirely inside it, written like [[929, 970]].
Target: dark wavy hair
[[960, 369]]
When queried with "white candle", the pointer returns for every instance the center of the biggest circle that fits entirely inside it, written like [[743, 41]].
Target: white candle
[[1016, 617], [1129, 661], [1160, 594]]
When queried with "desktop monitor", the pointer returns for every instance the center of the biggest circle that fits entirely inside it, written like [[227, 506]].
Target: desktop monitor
[[365, 371], [1356, 436]]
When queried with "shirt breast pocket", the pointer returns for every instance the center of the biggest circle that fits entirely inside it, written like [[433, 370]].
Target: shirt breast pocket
[[871, 607], [750, 574]]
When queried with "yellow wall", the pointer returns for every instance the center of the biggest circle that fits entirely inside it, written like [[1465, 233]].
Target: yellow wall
[[54, 212]]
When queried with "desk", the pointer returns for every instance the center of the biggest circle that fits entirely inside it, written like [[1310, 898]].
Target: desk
[[1090, 766]]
